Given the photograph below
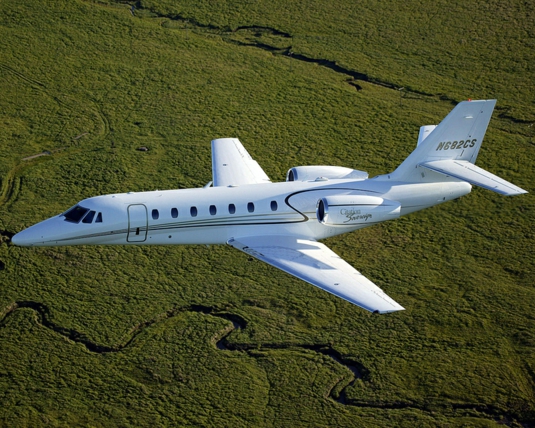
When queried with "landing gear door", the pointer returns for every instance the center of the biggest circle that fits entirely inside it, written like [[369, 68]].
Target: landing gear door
[[137, 223]]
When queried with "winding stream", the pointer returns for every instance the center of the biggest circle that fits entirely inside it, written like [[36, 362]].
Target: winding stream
[[355, 369]]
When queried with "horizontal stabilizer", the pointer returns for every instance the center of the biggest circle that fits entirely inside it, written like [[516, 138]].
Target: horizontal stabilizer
[[467, 171], [424, 132]]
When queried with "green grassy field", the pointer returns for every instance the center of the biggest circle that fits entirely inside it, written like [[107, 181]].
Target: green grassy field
[[183, 336]]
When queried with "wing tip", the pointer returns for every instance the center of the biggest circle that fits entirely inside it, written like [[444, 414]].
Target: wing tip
[[388, 311]]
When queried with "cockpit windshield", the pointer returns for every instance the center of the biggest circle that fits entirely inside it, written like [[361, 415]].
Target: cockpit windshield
[[75, 214], [89, 217]]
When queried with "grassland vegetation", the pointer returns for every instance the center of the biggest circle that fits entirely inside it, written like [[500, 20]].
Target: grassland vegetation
[[90, 82]]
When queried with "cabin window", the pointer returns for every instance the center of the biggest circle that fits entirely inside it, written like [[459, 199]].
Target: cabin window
[[274, 206], [250, 207], [75, 214], [213, 210], [99, 218], [231, 208], [174, 212], [89, 217], [193, 211], [155, 215]]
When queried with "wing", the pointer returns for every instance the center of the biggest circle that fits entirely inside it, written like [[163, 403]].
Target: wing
[[233, 166], [318, 265]]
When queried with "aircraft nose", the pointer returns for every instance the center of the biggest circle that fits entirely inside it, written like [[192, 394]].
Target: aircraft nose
[[37, 234], [23, 239]]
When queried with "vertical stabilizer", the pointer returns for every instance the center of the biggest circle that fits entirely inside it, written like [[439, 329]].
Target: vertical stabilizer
[[458, 137]]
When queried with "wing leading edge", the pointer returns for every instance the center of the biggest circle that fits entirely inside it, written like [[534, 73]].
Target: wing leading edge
[[232, 165], [316, 264]]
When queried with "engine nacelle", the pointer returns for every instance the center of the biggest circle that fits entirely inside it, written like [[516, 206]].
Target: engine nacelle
[[349, 210], [314, 172]]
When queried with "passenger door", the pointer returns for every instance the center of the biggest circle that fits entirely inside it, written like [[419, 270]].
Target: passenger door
[[137, 223]]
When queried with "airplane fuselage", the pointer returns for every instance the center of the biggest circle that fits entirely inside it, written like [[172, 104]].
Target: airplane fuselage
[[214, 215]]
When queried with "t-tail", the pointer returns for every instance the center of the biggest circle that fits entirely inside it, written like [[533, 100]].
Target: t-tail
[[451, 149]]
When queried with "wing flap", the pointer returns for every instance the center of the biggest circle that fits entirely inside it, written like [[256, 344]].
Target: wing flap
[[316, 264], [233, 166], [467, 171]]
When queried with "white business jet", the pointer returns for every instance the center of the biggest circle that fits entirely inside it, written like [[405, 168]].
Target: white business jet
[[281, 223]]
